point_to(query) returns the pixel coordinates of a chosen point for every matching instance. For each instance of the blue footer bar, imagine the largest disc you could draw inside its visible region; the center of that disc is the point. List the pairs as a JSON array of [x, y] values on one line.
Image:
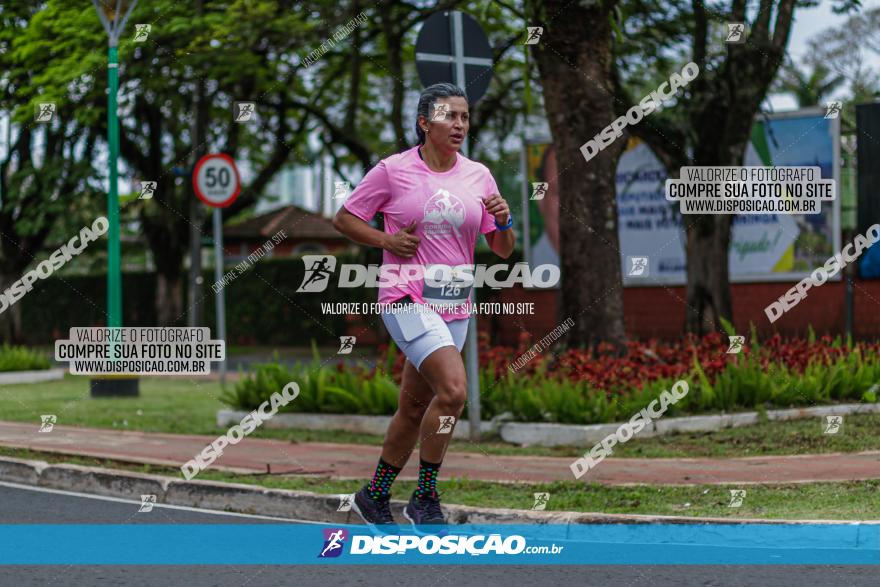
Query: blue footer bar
[[288, 544]]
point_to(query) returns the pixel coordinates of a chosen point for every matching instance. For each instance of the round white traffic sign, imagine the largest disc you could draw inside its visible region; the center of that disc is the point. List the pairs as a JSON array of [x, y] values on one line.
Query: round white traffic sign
[[216, 180]]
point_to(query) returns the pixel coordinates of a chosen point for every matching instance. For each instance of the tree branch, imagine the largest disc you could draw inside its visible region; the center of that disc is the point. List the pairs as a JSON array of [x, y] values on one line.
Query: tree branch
[[782, 27], [337, 135], [760, 30]]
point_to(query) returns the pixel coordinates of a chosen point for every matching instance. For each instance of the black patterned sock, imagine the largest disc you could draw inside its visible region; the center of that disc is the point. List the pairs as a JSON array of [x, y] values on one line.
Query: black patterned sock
[[427, 478], [384, 476]]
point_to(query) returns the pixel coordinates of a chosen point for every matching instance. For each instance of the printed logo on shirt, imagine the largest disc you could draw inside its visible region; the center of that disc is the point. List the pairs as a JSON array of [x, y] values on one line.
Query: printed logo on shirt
[[444, 215]]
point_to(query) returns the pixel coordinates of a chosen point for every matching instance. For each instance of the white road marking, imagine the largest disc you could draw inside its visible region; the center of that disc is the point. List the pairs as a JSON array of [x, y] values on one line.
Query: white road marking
[[155, 505]]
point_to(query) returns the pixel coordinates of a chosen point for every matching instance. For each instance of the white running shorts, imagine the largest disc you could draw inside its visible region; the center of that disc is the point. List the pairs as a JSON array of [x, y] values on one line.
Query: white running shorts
[[420, 332]]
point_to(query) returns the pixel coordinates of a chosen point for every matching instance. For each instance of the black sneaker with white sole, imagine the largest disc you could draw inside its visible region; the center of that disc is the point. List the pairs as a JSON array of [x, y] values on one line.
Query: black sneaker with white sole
[[425, 515], [376, 513]]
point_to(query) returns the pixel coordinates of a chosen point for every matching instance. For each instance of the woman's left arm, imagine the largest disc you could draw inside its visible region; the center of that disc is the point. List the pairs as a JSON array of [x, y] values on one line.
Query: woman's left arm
[[500, 241]]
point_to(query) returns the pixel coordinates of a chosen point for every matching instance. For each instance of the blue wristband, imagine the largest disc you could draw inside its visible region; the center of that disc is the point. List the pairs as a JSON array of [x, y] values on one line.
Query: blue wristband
[[505, 226]]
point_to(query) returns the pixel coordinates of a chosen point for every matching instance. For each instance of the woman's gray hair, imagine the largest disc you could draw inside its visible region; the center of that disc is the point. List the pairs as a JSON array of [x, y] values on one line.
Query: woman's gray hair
[[428, 97]]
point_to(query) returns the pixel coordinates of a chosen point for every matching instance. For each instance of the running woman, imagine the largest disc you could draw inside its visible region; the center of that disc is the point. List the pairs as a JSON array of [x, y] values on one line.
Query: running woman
[[435, 204]]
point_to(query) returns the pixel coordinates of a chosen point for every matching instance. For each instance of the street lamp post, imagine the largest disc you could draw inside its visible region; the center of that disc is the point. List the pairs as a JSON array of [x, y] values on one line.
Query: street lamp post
[[114, 26]]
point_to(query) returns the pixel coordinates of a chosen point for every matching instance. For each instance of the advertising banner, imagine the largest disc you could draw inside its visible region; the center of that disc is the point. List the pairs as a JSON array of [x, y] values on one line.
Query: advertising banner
[[764, 247]]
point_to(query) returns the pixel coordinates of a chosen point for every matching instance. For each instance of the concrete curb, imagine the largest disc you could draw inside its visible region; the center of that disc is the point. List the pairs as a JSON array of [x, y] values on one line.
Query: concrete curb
[[13, 377], [377, 425], [301, 505], [548, 434]]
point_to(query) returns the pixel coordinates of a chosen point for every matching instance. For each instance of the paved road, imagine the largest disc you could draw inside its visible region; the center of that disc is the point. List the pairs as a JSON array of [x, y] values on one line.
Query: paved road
[[34, 506], [358, 461]]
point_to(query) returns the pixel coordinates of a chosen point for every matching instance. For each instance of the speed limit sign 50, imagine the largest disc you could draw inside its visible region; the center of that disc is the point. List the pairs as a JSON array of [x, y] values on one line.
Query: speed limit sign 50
[[216, 180]]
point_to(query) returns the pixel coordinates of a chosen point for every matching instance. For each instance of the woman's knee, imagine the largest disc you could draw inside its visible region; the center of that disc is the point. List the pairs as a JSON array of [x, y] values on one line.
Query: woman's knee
[[412, 412], [452, 393], [444, 372]]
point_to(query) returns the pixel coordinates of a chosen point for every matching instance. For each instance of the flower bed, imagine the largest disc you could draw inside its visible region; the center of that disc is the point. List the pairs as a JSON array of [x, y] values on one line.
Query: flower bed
[[586, 387]]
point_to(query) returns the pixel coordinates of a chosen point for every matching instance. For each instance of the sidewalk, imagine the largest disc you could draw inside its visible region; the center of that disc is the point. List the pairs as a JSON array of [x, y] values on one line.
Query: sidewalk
[[253, 455]]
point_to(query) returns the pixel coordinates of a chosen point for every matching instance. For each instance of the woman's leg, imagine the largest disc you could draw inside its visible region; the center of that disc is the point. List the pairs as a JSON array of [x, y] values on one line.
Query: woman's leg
[[437, 389], [371, 502], [444, 371], [403, 432]]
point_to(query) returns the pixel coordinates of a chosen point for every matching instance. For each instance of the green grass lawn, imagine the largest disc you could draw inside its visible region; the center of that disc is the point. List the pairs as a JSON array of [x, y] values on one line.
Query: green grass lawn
[[187, 406], [829, 501], [165, 405]]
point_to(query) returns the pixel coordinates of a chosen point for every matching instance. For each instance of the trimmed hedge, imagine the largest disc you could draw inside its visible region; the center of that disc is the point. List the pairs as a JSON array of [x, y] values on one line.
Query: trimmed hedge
[[19, 358], [59, 303], [262, 306]]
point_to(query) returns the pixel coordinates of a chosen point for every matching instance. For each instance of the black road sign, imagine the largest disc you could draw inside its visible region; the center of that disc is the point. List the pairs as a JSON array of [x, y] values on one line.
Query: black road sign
[[452, 47]]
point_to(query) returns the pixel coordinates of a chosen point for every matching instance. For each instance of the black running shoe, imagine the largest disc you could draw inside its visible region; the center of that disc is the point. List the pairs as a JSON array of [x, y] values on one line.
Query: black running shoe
[[376, 513], [425, 515]]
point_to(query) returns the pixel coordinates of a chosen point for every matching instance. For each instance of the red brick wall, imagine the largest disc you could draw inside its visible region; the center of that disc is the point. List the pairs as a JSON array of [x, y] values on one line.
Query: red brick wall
[[658, 312], [536, 325]]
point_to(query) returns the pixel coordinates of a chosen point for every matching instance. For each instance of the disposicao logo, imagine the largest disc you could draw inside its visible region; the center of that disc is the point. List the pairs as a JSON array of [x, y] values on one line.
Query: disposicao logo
[[334, 540]]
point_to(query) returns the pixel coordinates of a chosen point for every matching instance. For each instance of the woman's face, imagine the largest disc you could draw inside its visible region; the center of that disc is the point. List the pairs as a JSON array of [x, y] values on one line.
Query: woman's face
[[448, 123]]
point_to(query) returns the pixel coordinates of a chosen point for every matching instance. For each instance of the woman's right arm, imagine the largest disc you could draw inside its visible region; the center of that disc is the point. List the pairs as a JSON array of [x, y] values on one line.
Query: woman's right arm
[[402, 243]]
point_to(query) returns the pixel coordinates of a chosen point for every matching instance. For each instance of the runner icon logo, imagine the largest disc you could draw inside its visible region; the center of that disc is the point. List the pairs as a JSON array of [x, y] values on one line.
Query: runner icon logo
[[318, 270], [141, 32], [832, 424], [539, 190], [832, 109], [444, 214], [535, 33], [735, 32], [736, 498], [244, 111], [334, 540], [638, 267], [346, 345], [48, 422], [441, 112], [736, 344], [148, 188], [45, 112], [147, 503], [345, 502], [446, 424], [541, 500], [340, 190]]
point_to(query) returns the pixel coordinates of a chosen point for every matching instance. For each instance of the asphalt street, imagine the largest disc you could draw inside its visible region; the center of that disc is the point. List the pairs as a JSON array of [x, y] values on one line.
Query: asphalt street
[[20, 505]]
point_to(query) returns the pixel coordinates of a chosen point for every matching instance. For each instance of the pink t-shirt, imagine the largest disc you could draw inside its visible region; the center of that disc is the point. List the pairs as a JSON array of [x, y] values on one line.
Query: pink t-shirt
[[449, 213]]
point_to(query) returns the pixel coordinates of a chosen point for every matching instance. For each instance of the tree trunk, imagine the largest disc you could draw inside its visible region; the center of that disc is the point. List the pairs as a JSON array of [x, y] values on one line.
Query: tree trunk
[[168, 250], [721, 141], [10, 319], [575, 62], [708, 275], [392, 29], [169, 298]]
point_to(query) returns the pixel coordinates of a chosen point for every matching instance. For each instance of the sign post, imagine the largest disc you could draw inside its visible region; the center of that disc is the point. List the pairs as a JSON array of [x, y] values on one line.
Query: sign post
[[217, 183], [452, 47]]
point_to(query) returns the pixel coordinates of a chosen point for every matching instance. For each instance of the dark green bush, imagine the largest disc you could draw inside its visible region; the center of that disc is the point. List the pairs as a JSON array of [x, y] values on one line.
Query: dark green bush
[[262, 306], [19, 358], [323, 389]]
